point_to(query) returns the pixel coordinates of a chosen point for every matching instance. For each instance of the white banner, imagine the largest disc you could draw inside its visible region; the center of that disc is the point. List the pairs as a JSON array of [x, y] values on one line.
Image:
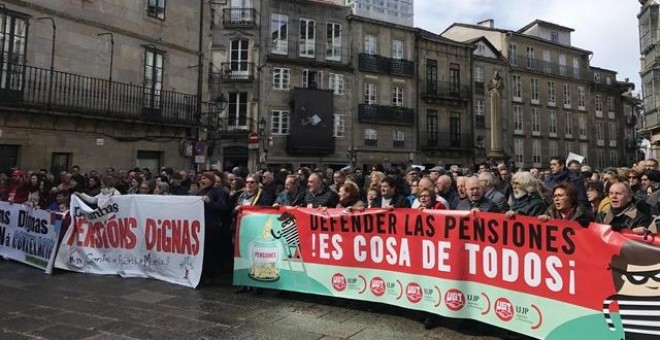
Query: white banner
[[160, 237], [29, 235]]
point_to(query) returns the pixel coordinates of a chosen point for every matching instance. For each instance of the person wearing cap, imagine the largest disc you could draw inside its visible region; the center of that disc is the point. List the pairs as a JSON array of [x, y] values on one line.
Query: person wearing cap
[[586, 172], [18, 187], [435, 172], [574, 165], [560, 174], [176, 185], [215, 206]]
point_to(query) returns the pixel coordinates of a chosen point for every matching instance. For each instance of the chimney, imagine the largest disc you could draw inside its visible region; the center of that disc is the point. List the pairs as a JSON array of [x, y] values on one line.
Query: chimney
[[489, 23]]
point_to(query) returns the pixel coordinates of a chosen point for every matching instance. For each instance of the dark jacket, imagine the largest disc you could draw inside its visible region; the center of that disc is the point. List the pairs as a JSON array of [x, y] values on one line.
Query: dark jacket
[[582, 215], [484, 205], [497, 198], [179, 190], [398, 201], [269, 192], [629, 217], [571, 177], [286, 198], [326, 198], [452, 197], [216, 208], [529, 205]]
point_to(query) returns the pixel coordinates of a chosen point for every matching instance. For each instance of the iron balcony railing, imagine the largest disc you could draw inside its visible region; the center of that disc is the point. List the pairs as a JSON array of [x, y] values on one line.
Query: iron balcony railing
[[387, 115], [402, 67], [547, 67], [436, 140], [39, 88], [236, 71], [445, 89], [239, 17], [373, 63]]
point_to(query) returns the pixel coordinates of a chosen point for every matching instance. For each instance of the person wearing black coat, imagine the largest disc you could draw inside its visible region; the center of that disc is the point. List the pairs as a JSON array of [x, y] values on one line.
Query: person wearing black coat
[[215, 206], [389, 197], [560, 174]]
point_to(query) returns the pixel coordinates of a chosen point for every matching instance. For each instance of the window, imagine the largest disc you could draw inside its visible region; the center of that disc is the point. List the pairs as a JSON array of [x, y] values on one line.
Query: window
[[614, 158], [608, 80], [59, 161], [553, 148], [567, 96], [547, 67], [370, 44], [333, 42], [534, 89], [370, 90], [480, 117], [339, 126], [432, 127], [562, 65], [370, 137], [582, 97], [612, 134], [397, 96], [479, 74], [156, 9], [311, 79], [600, 134], [554, 37], [536, 122], [281, 78], [597, 78], [153, 78], [536, 152], [552, 123], [279, 31], [336, 83], [238, 59], [398, 139], [519, 152], [551, 93], [397, 49], [13, 40], [307, 38], [530, 57], [237, 110], [454, 80], [517, 120], [600, 154], [455, 130], [568, 125], [568, 147], [584, 151], [517, 88], [279, 122], [599, 106], [513, 50], [582, 126], [610, 107], [576, 68], [431, 76]]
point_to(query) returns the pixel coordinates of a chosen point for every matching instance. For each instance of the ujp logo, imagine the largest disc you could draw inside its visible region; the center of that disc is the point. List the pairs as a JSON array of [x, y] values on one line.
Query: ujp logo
[[504, 309], [339, 282], [377, 286], [454, 299], [414, 292]]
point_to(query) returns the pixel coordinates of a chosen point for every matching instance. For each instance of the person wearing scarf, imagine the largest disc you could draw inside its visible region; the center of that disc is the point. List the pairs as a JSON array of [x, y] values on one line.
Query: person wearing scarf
[[349, 196], [565, 206], [253, 194], [526, 198], [623, 213]]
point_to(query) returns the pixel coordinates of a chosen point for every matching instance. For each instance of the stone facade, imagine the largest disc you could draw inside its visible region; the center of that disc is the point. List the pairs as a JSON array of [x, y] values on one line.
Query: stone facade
[[74, 114], [649, 28]]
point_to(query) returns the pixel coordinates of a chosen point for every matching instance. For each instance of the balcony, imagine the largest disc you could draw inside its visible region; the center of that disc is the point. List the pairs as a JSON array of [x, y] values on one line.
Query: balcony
[[236, 72], [239, 17], [442, 140], [552, 68], [40, 89], [386, 115], [373, 63], [402, 67], [445, 90], [235, 127]]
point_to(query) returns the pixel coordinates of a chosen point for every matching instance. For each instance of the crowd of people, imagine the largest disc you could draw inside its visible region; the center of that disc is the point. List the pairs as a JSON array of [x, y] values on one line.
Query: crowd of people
[[625, 198]]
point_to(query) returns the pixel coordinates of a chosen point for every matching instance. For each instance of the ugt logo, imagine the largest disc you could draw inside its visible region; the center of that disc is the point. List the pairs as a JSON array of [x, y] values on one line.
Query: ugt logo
[[414, 292], [454, 299], [377, 286], [339, 282], [504, 309]]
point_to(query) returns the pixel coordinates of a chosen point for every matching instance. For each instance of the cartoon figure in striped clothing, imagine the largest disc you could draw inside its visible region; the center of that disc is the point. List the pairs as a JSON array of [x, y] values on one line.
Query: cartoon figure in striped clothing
[[289, 232], [636, 276]]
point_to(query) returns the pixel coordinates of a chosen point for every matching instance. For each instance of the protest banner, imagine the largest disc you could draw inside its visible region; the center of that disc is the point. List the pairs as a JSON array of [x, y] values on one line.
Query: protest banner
[[160, 237], [29, 235], [548, 280]]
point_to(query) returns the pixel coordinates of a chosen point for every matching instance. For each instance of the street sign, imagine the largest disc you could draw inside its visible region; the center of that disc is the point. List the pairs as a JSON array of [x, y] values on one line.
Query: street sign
[[253, 138]]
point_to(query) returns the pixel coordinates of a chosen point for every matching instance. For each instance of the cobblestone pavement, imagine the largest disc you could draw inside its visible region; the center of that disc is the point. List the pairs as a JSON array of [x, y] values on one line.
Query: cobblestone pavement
[[76, 306]]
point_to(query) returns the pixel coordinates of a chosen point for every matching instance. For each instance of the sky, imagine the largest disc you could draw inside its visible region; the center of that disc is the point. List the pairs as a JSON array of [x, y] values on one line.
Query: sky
[[608, 28]]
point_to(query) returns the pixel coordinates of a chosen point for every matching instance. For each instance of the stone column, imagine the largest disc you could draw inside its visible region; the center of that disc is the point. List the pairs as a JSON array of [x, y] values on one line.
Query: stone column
[[495, 87]]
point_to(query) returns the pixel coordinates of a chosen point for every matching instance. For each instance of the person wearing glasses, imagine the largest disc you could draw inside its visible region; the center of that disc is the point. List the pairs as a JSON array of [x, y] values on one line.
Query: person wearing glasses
[[623, 213], [565, 206], [253, 194], [559, 173]]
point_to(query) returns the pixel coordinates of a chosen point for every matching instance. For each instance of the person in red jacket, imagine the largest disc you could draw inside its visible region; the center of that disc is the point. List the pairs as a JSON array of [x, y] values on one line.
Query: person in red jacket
[[18, 188]]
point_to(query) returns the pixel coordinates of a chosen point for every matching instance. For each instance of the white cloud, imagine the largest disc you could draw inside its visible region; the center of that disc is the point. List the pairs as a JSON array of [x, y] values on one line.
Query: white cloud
[[606, 27]]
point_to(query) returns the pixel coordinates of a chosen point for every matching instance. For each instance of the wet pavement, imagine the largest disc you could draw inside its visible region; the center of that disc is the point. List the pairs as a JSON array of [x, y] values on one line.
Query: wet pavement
[[69, 305]]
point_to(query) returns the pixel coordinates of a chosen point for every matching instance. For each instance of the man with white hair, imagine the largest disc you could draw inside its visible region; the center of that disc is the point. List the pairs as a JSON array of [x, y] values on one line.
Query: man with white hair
[[527, 198], [487, 181], [476, 201], [623, 213]]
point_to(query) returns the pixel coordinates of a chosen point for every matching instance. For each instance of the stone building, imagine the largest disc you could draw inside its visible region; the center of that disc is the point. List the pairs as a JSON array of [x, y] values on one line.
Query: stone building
[[558, 102], [649, 37], [99, 83], [445, 124]]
